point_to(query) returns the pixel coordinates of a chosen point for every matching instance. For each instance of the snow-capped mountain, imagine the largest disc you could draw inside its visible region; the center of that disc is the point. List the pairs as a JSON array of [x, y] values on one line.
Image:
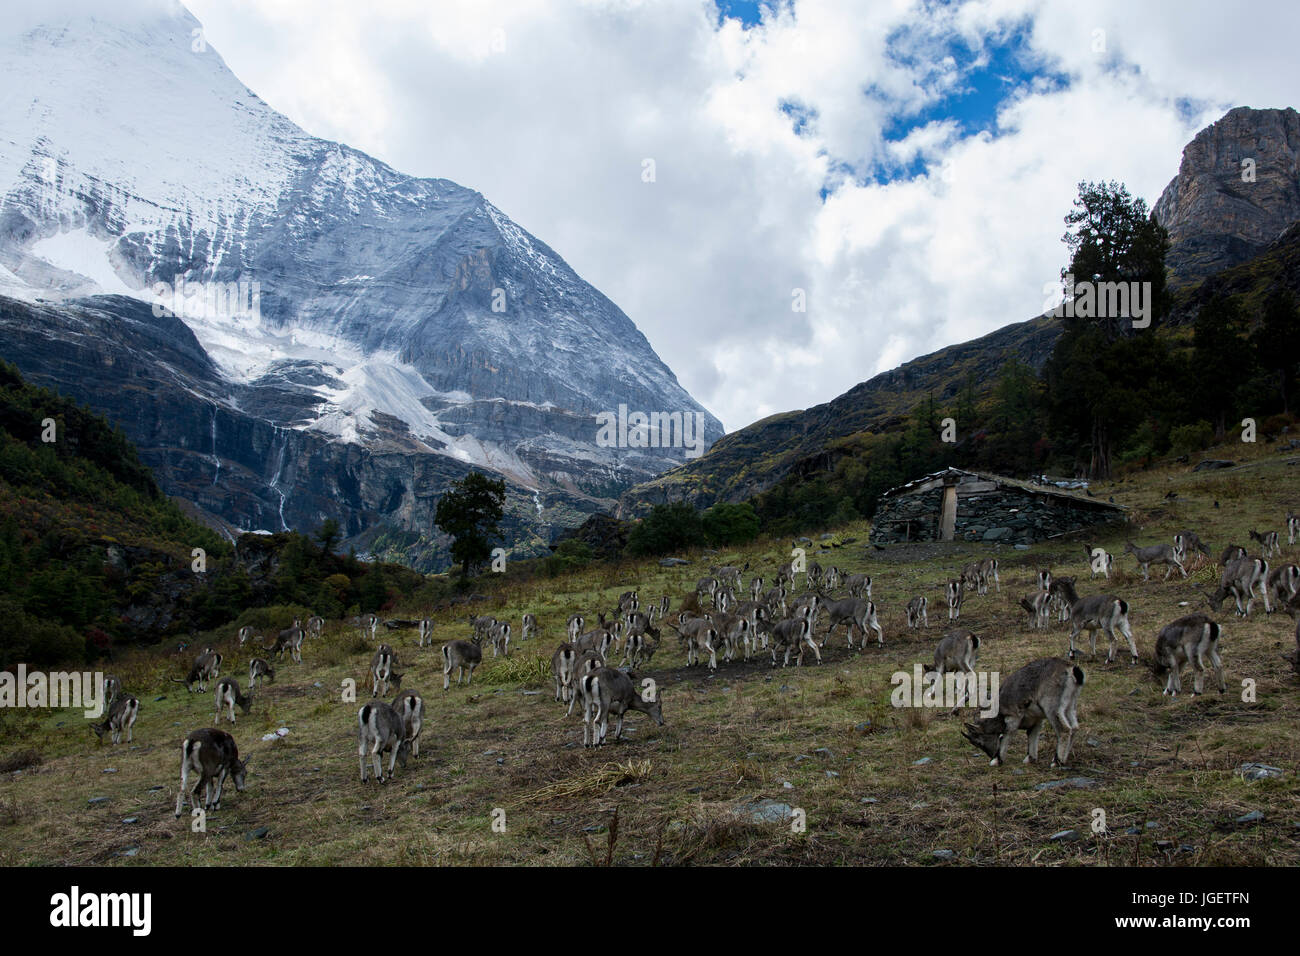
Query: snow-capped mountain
[[335, 302]]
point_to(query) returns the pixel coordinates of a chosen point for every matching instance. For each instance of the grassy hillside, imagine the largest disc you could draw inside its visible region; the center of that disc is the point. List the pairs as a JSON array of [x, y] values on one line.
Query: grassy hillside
[[878, 784]]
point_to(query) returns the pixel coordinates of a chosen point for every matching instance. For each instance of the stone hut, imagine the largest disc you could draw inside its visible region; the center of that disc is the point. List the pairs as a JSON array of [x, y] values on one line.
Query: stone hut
[[957, 505]]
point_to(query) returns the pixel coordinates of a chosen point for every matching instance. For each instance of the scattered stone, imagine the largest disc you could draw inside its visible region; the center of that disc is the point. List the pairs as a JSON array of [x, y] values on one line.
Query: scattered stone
[[823, 752], [800, 758], [1260, 771], [831, 774], [1021, 547], [1213, 464], [500, 761], [109, 770], [130, 851], [695, 790], [787, 784], [1083, 783], [944, 854], [1151, 824], [258, 834], [1064, 836], [163, 697], [97, 800], [154, 789], [868, 800], [1133, 831], [768, 811], [318, 684], [131, 820], [1186, 848], [862, 727], [922, 762], [1093, 742], [531, 693], [1253, 817], [672, 562]]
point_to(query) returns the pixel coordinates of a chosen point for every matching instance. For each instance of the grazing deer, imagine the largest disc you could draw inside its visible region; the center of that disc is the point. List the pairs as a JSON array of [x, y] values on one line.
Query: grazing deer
[[860, 616], [628, 601], [409, 706], [500, 634], [564, 663], [794, 634], [1045, 580], [609, 691], [380, 729], [807, 605], [575, 626], [1039, 605], [1268, 541], [785, 576], [859, 585], [755, 588], [316, 625], [289, 639], [1185, 542], [462, 655], [813, 576], [641, 647], [831, 580], [1283, 583], [1100, 612], [971, 579], [588, 663], [1100, 561], [258, 667], [989, 572], [775, 601], [383, 670], [425, 627], [210, 755], [958, 651], [699, 634], [527, 627], [918, 612], [1233, 552], [707, 586], [956, 590], [122, 712], [723, 599], [245, 634], [735, 631], [207, 666], [1155, 554], [228, 695], [1239, 580], [1190, 639], [112, 687], [1043, 689], [1060, 592], [1292, 527], [482, 625]]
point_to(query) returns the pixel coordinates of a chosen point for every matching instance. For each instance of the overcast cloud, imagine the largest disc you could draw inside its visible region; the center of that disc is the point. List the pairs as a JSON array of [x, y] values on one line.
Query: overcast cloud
[[831, 147]]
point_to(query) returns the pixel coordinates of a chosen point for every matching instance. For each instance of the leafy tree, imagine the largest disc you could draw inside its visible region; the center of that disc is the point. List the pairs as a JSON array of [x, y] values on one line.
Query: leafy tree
[[730, 523], [329, 535], [1277, 341], [1219, 343], [1095, 386], [670, 527], [470, 512]]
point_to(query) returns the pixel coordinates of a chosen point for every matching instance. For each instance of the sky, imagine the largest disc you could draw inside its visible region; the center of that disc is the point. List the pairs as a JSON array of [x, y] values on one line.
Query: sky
[[786, 197]]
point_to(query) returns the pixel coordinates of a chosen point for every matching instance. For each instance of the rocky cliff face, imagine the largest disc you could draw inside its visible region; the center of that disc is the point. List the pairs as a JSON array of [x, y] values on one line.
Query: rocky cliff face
[[1216, 216], [314, 333]]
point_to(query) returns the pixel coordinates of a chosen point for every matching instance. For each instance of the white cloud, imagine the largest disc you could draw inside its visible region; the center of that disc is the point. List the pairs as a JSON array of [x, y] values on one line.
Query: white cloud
[[549, 110]]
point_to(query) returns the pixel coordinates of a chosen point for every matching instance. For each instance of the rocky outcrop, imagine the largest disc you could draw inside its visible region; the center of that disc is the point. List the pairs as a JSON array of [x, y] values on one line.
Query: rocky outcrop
[[1216, 215]]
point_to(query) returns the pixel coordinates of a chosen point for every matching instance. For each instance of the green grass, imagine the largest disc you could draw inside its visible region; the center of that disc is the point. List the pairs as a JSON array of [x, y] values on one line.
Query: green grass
[[729, 740]]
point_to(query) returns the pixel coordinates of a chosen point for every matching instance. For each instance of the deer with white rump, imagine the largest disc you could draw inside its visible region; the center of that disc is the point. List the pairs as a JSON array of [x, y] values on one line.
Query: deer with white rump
[[1042, 690]]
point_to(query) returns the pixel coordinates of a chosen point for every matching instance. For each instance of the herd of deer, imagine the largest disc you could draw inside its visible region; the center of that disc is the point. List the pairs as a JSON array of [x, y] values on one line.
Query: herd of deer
[[779, 618]]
